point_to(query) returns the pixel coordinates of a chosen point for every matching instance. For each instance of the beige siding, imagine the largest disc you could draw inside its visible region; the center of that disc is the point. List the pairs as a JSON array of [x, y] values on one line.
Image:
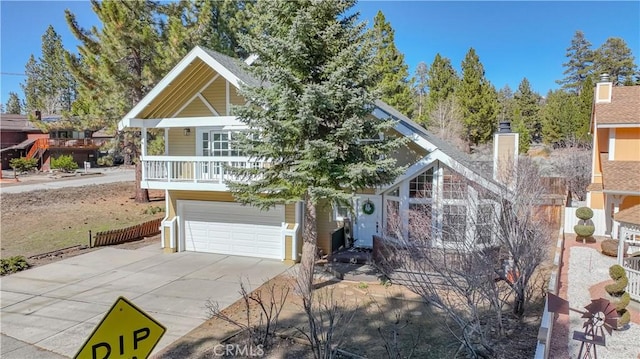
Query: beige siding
[[236, 99], [167, 242], [195, 108], [290, 213], [181, 145], [409, 154], [174, 196], [325, 225], [216, 94]]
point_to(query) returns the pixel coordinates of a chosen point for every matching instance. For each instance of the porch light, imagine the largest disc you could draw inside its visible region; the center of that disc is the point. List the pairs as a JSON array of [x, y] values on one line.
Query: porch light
[[187, 131]]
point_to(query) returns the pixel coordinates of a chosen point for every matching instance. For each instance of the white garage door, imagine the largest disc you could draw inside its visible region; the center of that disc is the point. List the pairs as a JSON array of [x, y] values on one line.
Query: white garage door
[[230, 228]]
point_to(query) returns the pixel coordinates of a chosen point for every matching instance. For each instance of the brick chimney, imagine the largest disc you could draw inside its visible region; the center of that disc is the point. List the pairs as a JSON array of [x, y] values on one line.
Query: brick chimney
[[603, 89], [505, 154]]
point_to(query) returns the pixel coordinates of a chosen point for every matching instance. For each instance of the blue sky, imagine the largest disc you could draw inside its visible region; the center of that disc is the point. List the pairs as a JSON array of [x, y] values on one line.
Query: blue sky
[[514, 39]]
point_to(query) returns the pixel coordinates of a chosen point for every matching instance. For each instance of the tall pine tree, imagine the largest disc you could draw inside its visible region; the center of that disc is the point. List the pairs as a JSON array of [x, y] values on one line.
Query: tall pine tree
[[14, 106], [579, 64], [614, 57], [478, 101], [388, 64], [442, 81], [308, 120], [117, 66], [49, 86], [527, 103]]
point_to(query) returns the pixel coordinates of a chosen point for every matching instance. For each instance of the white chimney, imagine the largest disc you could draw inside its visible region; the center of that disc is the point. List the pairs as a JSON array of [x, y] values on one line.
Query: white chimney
[[505, 154], [251, 59], [603, 89]]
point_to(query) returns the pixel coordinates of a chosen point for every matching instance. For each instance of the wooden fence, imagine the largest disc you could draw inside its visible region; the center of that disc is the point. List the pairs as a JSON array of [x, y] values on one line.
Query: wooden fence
[[128, 234]]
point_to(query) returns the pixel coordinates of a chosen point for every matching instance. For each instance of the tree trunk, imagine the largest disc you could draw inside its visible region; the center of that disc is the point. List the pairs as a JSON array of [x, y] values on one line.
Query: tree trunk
[[518, 302], [309, 249], [142, 194]]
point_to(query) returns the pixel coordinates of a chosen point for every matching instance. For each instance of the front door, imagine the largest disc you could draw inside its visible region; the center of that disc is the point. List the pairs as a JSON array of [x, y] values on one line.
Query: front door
[[368, 221]]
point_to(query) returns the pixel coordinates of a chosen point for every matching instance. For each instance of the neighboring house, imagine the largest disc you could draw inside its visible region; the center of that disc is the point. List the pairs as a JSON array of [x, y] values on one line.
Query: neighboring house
[[82, 145], [192, 104], [17, 135], [615, 175]]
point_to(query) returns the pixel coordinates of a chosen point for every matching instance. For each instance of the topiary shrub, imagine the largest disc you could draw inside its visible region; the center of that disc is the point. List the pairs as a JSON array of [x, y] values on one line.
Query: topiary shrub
[[584, 229], [64, 163], [584, 213], [620, 298]]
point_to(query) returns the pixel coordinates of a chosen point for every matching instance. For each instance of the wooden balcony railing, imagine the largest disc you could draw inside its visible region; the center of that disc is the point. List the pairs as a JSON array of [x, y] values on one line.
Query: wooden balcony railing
[[46, 143], [76, 142], [193, 168]]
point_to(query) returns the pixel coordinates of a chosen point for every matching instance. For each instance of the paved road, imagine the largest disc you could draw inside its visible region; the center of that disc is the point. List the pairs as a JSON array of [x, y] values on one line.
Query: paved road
[[120, 175]]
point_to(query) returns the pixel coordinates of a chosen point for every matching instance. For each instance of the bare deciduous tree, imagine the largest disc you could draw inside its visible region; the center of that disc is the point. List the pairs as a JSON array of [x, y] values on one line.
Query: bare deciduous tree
[[327, 319], [473, 262], [574, 164], [268, 312], [446, 122]]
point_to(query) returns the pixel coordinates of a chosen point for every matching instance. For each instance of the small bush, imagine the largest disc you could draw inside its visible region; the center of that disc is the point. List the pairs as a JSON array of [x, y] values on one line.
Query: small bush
[[13, 264], [65, 163], [584, 230], [106, 161], [153, 210], [23, 164], [584, 213]]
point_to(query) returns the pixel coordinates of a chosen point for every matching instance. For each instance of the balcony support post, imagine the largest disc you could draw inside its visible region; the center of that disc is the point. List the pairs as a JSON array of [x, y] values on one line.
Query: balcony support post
[[143, 151]]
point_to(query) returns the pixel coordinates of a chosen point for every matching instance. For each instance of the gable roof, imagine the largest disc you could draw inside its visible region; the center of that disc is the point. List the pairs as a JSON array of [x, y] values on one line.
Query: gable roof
[[234, 71], [17, 123], [624, 107]]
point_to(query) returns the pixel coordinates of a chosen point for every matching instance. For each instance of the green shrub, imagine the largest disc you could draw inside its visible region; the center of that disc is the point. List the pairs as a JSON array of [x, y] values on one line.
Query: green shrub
[[153, 210], [23, 164], [584, 230], [584, 213], [13, 264], [106, 161], [65, 163]]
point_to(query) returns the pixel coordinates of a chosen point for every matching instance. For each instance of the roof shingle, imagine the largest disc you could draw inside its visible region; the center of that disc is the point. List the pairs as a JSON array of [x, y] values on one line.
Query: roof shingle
[[623, 109]]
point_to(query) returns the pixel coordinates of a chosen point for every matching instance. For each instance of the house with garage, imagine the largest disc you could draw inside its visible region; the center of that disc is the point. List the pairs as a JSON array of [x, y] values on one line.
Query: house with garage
[[193, 104], [615, 127]]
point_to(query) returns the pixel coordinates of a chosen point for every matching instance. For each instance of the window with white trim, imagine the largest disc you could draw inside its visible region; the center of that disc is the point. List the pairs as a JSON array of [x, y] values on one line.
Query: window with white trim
[[421, 186], [454, 223]]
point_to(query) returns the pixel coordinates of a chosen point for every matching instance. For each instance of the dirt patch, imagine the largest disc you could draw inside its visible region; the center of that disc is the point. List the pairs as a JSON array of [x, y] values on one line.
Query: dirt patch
[[44, 221]]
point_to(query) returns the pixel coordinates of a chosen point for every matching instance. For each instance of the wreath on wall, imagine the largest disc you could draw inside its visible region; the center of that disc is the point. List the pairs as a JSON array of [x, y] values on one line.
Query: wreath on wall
[[368, 207]]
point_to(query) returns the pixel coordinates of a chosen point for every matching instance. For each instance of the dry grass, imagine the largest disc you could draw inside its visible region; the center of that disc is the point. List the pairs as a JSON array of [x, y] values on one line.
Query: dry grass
[[36, 222]]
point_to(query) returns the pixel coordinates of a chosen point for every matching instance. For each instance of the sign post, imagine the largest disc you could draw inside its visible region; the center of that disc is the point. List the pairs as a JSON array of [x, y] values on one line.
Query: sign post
[[124, 332]]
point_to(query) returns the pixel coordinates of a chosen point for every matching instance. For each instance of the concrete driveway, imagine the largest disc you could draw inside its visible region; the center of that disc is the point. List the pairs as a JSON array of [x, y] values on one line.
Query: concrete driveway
[[56, 307]]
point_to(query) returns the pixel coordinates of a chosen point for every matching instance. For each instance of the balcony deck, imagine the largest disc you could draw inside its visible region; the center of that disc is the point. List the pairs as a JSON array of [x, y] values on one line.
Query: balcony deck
[[192, 172]]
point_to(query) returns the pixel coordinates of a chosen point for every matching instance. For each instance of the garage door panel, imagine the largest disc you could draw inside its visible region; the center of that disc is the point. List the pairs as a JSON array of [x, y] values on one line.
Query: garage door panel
[[229, 228]]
